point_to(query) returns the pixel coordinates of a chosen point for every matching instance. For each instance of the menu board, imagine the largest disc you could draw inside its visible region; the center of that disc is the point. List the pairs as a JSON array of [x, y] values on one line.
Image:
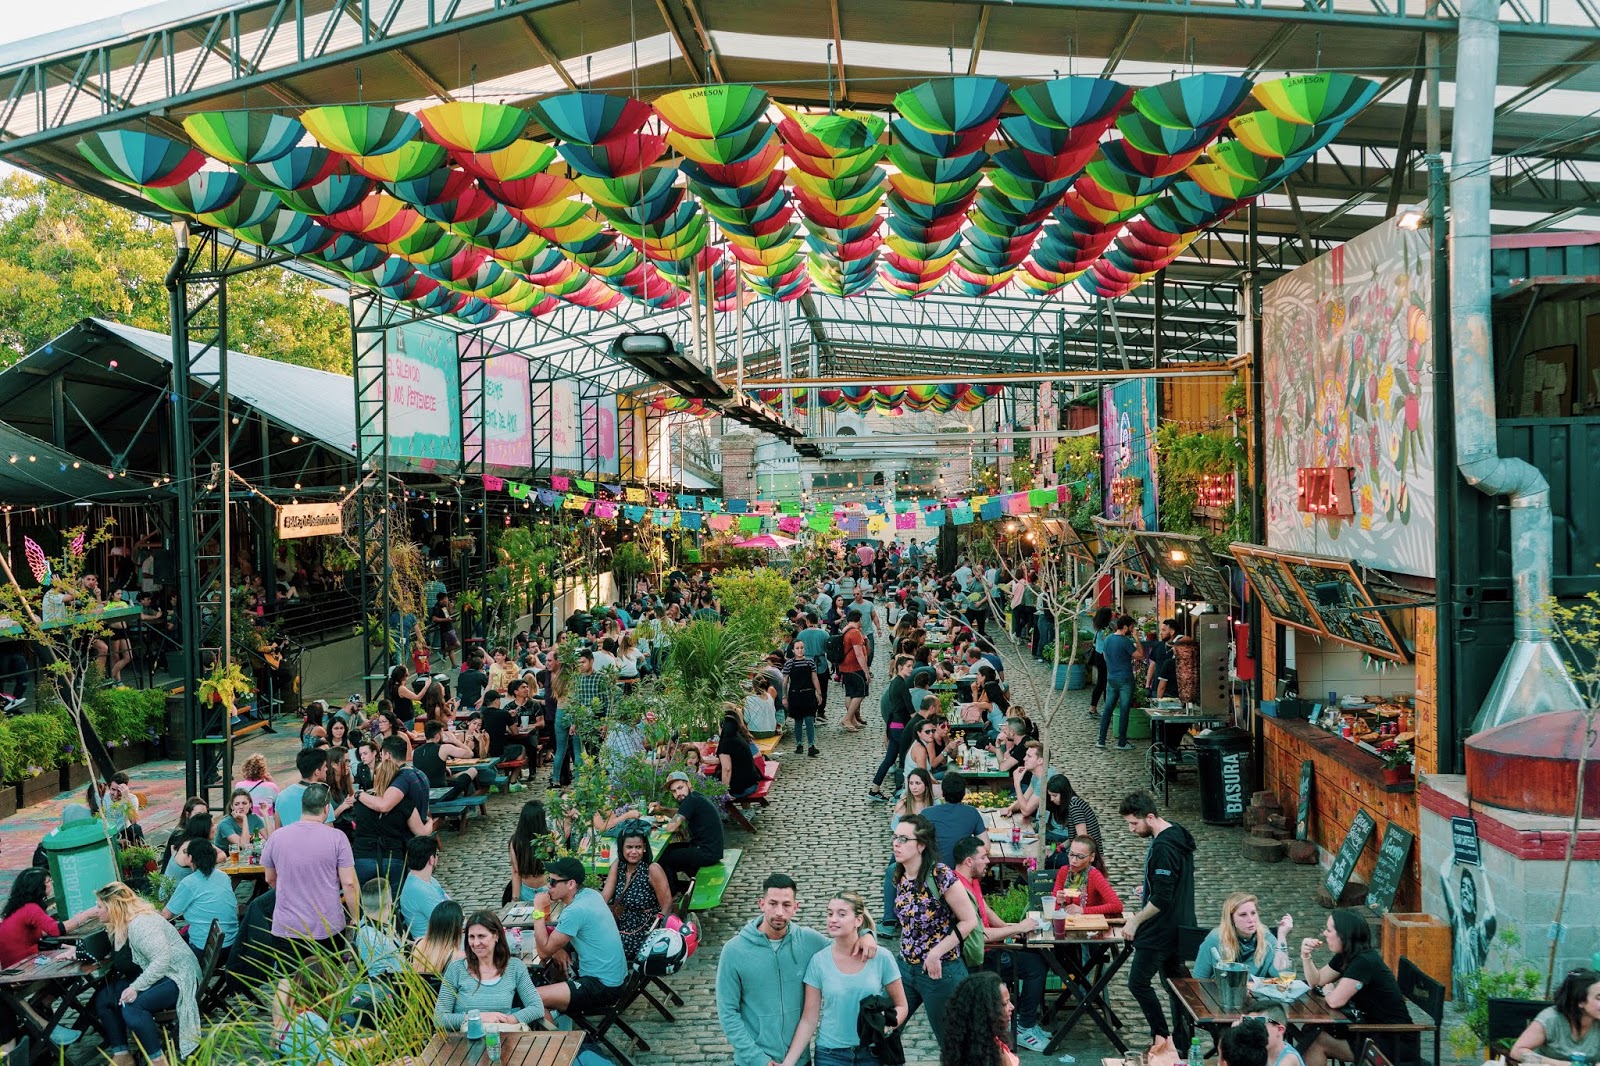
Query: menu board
[[1276, 589], [1390, 867], [1344, 863], [1369, 630], [1185, 561]]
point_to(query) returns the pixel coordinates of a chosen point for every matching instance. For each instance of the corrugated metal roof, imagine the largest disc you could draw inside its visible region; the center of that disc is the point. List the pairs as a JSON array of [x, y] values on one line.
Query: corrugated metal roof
[[33, 472], [314, 403]]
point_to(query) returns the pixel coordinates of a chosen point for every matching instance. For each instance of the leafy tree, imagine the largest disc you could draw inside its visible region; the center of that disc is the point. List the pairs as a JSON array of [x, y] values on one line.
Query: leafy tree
[[66, 256]]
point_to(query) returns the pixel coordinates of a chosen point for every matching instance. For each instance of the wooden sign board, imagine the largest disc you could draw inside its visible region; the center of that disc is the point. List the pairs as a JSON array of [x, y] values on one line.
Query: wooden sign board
[[1344, 863], [1302, 820], [1464, 840], [1324, 490], [1390, 868]]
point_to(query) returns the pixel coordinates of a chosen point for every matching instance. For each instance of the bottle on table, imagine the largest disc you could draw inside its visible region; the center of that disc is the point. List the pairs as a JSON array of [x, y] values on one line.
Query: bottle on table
[[491, 1044]]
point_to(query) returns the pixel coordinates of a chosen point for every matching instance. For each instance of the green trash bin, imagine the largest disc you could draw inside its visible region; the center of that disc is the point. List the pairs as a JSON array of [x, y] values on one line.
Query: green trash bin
[[82, 861]]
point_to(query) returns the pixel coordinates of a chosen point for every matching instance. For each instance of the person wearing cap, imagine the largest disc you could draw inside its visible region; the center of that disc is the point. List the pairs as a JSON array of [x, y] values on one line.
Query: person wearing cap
[[684, 859], [1279, 1051], [586, 926]]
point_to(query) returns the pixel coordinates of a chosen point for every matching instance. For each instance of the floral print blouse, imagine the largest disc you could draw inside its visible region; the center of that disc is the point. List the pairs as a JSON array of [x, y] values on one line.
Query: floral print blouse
[[924, 918]]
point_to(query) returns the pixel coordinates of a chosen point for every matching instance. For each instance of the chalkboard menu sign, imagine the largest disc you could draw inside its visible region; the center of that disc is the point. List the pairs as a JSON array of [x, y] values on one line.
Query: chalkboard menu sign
[[1344, 863], [1391, 866], [1464, 840], [1302, 819], [1276, 589], [1369, 630], [1184, 560]]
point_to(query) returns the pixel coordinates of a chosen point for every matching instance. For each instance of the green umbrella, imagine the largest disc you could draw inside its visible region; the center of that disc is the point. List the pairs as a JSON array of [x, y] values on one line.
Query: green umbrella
[[1264, 133], [839, 131], [1161, 140], [736, 147], [1069, 102], [356, 129], [952, 105], [468, 126], [252, 207], [591, 118], [208, 190], [712, 111], [1312, 99], [933, 168], [1242, 163], [136, 158], [241, 137], [1191, 102], [338, 192], [408, 162]]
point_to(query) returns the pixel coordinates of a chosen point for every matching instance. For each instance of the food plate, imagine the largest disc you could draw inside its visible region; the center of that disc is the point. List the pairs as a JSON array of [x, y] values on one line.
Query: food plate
[[1272, 990]]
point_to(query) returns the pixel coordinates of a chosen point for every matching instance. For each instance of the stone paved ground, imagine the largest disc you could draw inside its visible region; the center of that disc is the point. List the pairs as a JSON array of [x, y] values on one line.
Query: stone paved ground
[[822, 830]]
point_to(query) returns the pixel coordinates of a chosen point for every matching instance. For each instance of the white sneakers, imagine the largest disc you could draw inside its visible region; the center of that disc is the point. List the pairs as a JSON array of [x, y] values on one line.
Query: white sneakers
[[1034, 1038]]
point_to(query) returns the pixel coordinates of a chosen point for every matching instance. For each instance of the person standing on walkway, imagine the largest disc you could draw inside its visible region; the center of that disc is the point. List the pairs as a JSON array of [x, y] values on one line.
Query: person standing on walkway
[[897, 711], [1119, 653], [802, 678], [815, 638], [935, 914], [1168, 894], [1097, 661], [761, 975], [311, 866], [837, 981], [853, 671]]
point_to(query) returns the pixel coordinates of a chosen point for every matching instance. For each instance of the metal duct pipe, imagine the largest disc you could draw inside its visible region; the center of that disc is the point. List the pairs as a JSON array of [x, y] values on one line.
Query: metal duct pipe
[[1533, 677]]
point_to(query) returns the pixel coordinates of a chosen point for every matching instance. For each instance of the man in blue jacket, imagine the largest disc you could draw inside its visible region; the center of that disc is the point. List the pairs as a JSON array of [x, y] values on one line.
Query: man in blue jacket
[[760, 977]]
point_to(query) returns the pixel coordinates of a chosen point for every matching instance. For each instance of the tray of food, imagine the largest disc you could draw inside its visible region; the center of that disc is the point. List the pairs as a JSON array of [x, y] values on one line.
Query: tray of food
[[1284, 988]]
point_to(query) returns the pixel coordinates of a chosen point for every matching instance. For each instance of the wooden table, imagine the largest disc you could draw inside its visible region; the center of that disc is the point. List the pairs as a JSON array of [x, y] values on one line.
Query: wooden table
[[516, 1049], [1001, 850], [1202, 1001], [1086, 961], [65, 984]]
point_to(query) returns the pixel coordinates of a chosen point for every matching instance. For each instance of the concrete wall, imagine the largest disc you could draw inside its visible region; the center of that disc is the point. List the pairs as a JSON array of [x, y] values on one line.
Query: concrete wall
[[1328, 666], [331, 671]]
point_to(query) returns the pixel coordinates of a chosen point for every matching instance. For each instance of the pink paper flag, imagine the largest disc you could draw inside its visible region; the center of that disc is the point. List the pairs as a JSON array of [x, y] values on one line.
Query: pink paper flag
[[605, 510], [905, 521], [1017, 503], [493, 484], [789, 523], [719, 522], [560, 483]]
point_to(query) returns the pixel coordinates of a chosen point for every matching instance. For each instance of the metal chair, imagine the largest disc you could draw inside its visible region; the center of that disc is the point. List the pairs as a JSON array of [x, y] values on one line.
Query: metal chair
[[1427, 994], [1508, 1018]]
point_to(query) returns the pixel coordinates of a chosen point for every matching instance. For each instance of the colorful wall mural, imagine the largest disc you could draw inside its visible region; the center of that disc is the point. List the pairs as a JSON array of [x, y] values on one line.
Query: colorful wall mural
[[1347, 367], [1128, 451]]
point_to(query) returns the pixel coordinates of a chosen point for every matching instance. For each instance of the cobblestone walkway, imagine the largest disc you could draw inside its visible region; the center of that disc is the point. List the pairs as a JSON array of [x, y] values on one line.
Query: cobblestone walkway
[[822, 830]]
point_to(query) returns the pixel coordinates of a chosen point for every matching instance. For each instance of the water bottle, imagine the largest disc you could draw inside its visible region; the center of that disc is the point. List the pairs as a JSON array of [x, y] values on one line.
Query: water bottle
[[1196, 1056], [474, 1025], [491, 1044]]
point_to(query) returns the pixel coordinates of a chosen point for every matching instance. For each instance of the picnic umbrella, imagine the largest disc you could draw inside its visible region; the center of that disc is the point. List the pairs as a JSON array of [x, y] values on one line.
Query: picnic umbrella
[[591, 118], [952, 105], [615, 158], [204, 190], [1312, 99], [241, 137], [713, 111], [1239, 161], [357, 129], [136, 158], [1066, 103], [519, 159], [295, 169], [469, 126], [330, 196], [1266, 134], [1193, 101]]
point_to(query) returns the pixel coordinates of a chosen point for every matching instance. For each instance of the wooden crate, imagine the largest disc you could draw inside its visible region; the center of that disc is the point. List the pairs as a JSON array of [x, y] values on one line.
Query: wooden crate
[[1423, 939]]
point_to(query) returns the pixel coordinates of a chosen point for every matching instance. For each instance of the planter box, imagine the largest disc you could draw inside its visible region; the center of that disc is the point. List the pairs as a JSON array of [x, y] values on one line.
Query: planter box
[[8, 801], [130, 755], [74, 776], [38, 788]]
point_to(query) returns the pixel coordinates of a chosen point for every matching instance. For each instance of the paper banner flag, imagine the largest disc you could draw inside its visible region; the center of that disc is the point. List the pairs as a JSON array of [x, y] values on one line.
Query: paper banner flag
[[584, 486], [789, 524], [660, 497], [518, 490], [493, 484], [1017, 503], [750, 524], [635, 496], [686, 502], [789, 507], [875, 525], [764, 506], [615, 490], [712, 504], [906, 505], [605, 510], [977, 501], [575, 503], [720, 522], [990, 510], [560, 482], [853, 524], [905, 521], [1041, 497], [661, 516], [961, 516], [935, 517], [690, 519], [633, 514], [820, 522], [549, 498], [736, 506]]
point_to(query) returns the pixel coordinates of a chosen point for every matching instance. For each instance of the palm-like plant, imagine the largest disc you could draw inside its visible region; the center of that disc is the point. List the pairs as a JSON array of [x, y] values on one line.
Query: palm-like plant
[[711, 661]]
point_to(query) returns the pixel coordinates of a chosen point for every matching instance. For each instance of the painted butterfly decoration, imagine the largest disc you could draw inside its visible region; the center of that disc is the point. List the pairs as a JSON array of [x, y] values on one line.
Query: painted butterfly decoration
[[38, 561]]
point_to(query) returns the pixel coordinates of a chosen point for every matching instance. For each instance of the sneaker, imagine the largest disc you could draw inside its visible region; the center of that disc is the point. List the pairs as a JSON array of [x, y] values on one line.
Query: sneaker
[[1124, 747], [1100, 744], [12, 702], [876, 796], [1033, 1038], [813, 753], [800, 749]]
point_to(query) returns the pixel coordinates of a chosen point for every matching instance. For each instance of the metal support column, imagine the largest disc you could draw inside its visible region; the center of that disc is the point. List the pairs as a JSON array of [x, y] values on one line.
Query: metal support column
[[370, 315], [472, 358]]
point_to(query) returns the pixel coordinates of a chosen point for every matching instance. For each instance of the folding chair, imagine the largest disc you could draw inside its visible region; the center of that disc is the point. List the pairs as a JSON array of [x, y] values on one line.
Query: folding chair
[[1427, 994], [598, 1024]]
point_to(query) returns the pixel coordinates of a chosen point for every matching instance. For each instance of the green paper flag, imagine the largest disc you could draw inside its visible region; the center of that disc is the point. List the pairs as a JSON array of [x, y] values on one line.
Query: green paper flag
[[750, 523], [820, 521], [1041, 497], [584, 486], [789, 507]]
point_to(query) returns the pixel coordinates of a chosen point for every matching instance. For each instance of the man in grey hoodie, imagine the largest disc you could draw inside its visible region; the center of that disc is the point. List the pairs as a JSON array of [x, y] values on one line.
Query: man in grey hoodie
[[760, 977]]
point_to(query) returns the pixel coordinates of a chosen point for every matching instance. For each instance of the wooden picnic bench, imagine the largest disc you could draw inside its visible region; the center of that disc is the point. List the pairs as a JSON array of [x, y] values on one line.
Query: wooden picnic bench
[[737, 806]]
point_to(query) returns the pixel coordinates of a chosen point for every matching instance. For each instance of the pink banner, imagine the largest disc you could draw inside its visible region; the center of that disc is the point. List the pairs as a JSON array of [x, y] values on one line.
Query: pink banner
[[560, 482], [789, 524], [905, 521], [719, 522], [493, 484]]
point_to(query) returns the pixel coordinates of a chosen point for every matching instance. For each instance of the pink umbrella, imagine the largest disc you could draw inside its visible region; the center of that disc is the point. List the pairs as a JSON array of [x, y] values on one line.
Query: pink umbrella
[[767, 540]]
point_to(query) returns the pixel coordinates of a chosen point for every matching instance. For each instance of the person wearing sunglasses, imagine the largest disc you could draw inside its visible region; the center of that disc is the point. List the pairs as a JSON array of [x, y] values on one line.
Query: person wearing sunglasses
[[586, 925]]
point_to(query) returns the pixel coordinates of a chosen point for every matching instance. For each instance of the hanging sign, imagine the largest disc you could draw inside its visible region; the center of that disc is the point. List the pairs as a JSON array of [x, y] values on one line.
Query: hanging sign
[[297, 520], [1464, 841]]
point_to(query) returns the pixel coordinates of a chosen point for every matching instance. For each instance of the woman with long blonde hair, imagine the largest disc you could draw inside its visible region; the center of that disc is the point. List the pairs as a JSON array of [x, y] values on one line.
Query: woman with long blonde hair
[[1240, 938], [836, 981], [169, 977]]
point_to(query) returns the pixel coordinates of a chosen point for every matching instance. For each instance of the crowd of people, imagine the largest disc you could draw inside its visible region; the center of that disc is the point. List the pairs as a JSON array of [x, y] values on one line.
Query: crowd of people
[[352, 861]]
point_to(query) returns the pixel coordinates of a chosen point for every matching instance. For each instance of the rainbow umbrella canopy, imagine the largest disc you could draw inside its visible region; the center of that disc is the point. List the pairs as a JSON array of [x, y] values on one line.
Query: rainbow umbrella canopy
[[591, 118], [712, 112], [359, 130], [137, 158], [242, 137]]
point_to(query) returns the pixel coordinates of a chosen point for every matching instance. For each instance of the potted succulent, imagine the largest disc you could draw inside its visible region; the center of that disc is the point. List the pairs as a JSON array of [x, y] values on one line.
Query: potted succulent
[[1398, 760]]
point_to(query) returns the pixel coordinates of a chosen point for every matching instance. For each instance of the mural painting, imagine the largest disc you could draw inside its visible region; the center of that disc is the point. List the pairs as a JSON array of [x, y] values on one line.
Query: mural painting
[[1128, 451], [1347, 366]]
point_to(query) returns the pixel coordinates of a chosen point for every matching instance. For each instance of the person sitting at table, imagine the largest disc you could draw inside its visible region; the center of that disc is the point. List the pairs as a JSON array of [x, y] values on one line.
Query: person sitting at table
[[258, 782], [489, 980], [431, 757], [1082, 875], [377, 942], [442, 945], [25, 920], [636, 887], [1019, 967], [241, 825], [736, 766], [169, 977], [1357, 976], [1240, 938], [1031, 783], [389, 727], [685, 858], [1276, 1020], [531, 844], [923, 749], [119, 804], [1068, 815], [205, 897], [1008, 747], [917, 798], [978, 1023], [180, 866], [837, 980], [421, 892], [178, 835], [587, 925], [1569, 1026], [1246, 1044]]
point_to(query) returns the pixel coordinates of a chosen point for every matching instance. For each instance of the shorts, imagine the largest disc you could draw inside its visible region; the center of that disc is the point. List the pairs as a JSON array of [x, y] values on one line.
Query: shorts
[[588, 994], [855, 684]]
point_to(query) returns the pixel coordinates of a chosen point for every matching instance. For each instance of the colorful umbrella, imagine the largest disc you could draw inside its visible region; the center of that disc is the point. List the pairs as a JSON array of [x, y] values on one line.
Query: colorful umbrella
[[591, 118], [1066, 103], [411, 160], [290, 232], [136, 158], [943, 144], [250, 207], [1312, 99], [468, 126], [1236, 159], [952, 105], [830, 133], [356, 129], [736, 147], [711, 111], [241, 137], [1193, 101], [1147, 136], [1264, 133], [205, 190], [519, 159], [296, 169], [331, 195], [614, 158]]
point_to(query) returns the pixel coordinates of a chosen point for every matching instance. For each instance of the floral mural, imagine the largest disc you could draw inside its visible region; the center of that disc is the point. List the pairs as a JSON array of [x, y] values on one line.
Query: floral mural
[[1128, 438], [1347, 368]]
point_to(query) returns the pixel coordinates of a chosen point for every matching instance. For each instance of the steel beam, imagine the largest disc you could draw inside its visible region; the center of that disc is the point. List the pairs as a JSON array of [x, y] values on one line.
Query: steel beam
[[1192, 370]]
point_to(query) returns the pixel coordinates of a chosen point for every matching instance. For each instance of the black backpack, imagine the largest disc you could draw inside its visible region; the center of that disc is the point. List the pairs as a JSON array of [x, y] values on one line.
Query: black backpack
[[834, 649]]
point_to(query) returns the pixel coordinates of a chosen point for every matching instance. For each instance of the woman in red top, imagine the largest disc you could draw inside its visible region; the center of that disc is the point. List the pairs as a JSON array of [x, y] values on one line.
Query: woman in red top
[[24, 920], [1098, 897]]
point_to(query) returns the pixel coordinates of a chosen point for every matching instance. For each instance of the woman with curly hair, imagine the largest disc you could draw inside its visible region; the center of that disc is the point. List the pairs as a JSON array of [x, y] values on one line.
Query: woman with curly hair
[[977, 1020]]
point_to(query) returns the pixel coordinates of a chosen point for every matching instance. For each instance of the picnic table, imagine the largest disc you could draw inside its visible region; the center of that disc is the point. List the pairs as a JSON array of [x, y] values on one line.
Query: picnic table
[[1085, 958], [998, 829], [542, 1048], [54, 984], [1307, 1016], [985, 772]]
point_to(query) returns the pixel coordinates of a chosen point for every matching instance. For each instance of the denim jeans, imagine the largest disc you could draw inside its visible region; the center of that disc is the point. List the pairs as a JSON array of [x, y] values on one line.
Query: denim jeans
[[563, 743], [845, 1056], [888, 895], [808, 727], [1119, 699], [892, 735], [1147, 964], [1024, 971], [923, 990], [391, 868], [121, 1019]]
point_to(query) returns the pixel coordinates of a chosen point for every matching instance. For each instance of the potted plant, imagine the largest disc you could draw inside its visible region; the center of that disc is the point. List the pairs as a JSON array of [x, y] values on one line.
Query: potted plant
[[1398, 759], [224, 685], [136, 863], [40, 739], [1504, 975]]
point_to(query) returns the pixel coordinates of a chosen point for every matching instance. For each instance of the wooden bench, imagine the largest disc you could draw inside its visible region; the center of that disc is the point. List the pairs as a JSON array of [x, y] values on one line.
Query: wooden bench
[[736, 807], [259, 725], [453, 813], [712, 881]]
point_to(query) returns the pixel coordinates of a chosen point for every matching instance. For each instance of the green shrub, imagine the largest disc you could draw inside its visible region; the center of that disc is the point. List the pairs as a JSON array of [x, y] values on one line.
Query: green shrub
[[1011, 905], [41, 739], [1505, 975]]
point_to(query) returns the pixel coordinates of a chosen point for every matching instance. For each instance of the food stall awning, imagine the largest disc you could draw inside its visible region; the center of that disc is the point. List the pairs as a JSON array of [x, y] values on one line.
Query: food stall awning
[[1320, 595]]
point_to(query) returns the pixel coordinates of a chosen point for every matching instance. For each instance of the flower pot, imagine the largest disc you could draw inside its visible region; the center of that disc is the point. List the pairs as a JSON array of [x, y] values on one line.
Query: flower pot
[[1077, 677], [74, 776], [1063, 675], [38, 788], [1397, 775]]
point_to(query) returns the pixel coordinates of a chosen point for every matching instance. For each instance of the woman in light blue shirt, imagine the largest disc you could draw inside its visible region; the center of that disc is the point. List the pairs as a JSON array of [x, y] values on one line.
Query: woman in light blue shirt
[[836, 983], [206, 895]]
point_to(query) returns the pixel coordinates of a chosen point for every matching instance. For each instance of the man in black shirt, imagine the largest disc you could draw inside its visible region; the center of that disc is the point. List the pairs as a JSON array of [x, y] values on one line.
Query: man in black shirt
[[430, 758], [1168, 907], [472, 680], [500, 722], [1162, 677], [704, 847]]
